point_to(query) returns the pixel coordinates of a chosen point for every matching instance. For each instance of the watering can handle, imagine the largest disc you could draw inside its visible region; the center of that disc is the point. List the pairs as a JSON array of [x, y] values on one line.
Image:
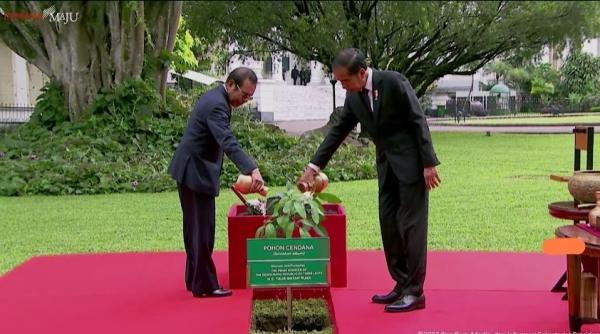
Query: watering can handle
[[240, 196]]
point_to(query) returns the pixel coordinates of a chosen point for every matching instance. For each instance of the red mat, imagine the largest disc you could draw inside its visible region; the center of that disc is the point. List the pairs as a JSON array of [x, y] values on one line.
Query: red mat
[[464, 271], [144, 293], [115, 293], [456, 312], [466, 292]]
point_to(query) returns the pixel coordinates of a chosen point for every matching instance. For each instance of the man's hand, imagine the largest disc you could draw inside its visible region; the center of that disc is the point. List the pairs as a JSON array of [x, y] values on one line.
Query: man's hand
[[257, 182], [432, 179], [307, 181]]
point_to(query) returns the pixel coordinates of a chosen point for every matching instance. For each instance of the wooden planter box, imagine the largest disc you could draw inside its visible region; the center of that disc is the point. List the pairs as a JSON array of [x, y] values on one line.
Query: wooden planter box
[[241, 227]]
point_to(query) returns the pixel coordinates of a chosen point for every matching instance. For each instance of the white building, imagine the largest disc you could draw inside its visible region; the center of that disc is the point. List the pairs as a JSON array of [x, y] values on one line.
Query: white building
[[20, 86], [458, 86], [278, 99]]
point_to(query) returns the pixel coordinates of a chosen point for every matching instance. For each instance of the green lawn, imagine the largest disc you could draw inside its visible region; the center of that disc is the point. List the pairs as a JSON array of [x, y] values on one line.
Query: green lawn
[[545, 120], [494, 196]]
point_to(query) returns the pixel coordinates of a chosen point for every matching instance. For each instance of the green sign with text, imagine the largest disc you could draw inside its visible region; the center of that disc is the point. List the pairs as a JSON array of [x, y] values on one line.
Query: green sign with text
[[288, 262]]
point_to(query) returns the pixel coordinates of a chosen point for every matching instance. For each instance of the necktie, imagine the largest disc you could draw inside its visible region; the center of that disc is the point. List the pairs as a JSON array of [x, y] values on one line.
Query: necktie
[[364, 93]]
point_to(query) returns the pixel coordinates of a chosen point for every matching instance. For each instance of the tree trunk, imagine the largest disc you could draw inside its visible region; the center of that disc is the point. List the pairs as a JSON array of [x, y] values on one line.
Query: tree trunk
[[101, 49], [138, 42], [175, 15], [469, 98]]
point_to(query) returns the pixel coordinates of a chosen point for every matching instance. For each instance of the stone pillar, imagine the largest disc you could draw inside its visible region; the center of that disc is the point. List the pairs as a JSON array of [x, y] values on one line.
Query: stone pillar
[[316, 73], [277, 67], [20, 80]]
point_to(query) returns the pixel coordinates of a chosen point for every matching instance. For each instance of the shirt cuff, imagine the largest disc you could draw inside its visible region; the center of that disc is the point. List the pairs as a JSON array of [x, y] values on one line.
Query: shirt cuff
[[314, 167]]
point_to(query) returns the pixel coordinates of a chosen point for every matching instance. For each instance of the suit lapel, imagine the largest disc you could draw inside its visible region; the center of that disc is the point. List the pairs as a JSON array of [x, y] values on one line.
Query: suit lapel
[[362, 103], [224, 93], [376, 97]]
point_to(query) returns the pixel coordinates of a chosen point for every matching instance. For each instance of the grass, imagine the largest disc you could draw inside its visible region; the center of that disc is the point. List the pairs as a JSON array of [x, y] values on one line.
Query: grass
[[543, 120], [309, 316], [494, 197]]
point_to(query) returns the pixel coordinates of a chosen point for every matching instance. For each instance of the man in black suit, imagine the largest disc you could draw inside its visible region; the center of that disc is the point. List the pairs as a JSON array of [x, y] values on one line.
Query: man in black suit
[[295, 74], [388, 110], [196, 166]]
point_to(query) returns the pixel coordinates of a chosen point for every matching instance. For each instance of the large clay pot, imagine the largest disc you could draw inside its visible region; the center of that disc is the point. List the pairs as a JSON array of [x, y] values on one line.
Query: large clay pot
[[582, 185]]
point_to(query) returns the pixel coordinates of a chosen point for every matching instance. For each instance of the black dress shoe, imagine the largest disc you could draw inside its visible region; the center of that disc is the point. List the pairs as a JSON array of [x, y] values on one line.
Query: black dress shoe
[[214, 293], [220, 293], [386, 299], [406, 304]]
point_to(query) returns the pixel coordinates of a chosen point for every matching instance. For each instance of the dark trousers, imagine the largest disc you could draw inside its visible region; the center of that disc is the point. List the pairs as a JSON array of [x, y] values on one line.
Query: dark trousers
[[403, 211], [199, 239]]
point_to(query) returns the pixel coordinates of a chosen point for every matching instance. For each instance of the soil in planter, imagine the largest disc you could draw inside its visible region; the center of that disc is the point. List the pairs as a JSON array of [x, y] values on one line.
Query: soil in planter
[[309, 316]]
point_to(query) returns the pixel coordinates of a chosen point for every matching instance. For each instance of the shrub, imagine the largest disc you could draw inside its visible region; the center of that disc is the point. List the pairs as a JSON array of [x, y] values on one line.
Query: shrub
[[309, 315], [50, 108], [117, 150]]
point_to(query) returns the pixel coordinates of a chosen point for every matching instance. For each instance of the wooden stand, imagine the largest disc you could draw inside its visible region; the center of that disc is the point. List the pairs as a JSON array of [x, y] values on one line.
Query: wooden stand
[[589, 296], [582, 288], [584, 141], [569, 211]]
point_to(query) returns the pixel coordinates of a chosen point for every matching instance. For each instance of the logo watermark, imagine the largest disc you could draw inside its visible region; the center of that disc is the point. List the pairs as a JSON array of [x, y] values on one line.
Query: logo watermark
[[50, 14], [60, 17]]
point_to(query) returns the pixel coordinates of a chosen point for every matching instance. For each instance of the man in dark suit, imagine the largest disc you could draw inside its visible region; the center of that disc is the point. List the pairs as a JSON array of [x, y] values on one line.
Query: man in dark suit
[[388, 110], [295, 74], [196, 166]]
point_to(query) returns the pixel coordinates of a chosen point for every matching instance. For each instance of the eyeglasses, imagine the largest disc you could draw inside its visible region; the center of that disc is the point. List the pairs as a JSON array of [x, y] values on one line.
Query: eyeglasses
[[245, 96]]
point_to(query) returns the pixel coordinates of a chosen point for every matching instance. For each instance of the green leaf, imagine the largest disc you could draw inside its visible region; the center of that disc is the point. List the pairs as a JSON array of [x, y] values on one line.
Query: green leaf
[[314, 205], [289, 230], [315, 212], [260, 232], [304, 233], [321, 231], [270, 231], [288, 207], [283, 220], [330, 198], [277, 207], [300, 209], [308, 223]]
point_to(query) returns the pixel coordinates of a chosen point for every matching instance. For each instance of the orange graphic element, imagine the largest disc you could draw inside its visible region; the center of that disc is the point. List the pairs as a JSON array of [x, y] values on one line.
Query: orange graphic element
[[564, 246]]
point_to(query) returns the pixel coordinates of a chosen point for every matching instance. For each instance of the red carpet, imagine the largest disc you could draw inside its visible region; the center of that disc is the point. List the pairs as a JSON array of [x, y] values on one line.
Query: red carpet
[[144, 293], [115, 293], [467, 292]]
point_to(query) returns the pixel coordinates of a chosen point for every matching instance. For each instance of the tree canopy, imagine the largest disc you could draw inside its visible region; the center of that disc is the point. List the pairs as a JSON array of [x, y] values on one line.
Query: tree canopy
[[106, 43], [424, 40]]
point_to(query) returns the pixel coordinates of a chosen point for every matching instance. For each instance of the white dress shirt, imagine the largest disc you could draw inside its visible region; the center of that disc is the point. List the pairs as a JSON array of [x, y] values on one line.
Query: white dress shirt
[[369, 85]]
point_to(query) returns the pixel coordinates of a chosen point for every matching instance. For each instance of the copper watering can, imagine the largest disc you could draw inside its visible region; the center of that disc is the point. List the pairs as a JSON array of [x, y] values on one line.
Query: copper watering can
[[321, 182]]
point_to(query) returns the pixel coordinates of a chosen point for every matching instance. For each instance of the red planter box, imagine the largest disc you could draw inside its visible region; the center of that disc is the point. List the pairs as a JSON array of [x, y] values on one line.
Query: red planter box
[[240, 228]]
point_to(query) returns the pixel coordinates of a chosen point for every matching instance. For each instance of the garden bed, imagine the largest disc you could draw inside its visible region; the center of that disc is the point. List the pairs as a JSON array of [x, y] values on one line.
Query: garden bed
[[309, 316]]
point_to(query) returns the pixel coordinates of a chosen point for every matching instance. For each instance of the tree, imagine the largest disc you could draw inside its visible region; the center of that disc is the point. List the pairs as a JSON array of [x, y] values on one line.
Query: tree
[[543, 89], [107, 43], [500, 68], [581, 74], [516, 77], [424, 40], [183, 54]]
